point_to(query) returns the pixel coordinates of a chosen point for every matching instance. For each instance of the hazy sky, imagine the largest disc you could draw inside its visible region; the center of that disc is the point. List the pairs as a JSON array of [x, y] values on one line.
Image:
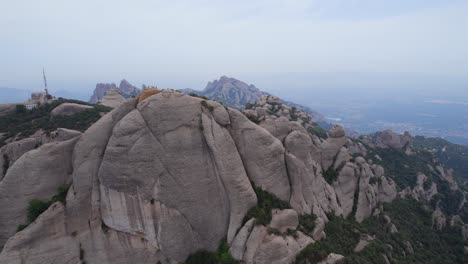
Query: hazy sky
[[155, 41]]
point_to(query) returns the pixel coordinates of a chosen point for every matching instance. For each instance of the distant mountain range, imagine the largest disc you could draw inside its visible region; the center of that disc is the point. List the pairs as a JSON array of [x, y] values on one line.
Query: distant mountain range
[[237, 94]]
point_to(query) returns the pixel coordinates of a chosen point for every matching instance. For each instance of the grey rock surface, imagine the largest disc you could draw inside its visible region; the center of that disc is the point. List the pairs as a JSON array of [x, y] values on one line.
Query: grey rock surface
[[69, 109]]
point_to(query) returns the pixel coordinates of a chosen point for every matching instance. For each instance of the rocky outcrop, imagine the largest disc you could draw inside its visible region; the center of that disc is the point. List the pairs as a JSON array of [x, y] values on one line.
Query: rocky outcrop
[[100, 91], [263, 247], [420, 192], [70, 109], [35, 175], [388, 139], [439, 220], [125, 89], [15, 149], [164, 176], [112, 98], [230, 91], [364, 241], [332, 258]]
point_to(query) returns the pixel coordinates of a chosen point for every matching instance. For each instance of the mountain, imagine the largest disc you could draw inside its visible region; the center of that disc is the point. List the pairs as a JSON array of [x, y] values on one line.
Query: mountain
[[230, 91], [125, 88], [171, 178], [238, 94]]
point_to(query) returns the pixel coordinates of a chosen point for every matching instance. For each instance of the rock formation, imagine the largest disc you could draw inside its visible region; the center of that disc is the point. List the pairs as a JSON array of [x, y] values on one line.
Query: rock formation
[[230, 91], [100, 91], [112, 98], [160, 178], [126, 89], [15, 149]]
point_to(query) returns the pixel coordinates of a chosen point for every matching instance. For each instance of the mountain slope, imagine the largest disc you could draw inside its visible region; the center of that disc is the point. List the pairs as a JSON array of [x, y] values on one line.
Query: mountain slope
[[171, 178], [450, 155]]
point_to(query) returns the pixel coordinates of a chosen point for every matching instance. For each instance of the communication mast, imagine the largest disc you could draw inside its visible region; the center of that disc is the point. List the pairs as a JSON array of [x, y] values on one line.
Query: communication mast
[[45, 83]]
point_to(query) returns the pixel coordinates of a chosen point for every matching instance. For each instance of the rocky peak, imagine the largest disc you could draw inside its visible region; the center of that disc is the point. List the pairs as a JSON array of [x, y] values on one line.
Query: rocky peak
[[100, 91], [112, 98], [128, 89], [125, 89], [389, 139], [230, 92]]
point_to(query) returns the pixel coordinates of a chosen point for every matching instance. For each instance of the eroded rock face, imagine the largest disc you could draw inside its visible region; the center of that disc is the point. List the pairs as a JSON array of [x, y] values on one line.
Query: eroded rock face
[[332, 258], [263, 247], [100, 91], [126, 89], [15, 149], [160, 178], [35, 175], [112, 98]]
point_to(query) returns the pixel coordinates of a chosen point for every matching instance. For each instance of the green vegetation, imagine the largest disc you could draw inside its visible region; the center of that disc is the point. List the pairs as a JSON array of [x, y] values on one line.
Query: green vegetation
[[330, 175], [204, 103], [24, 123], [266, 202], [448, 200], [6, 164], [342, 237], [275, 107], [318, 131], [448, 154], [307, 223], [414, 224], [250, 105], [36, 207], [20, 109], [293, 114], [199, 96], [221, 256], [403, 168]]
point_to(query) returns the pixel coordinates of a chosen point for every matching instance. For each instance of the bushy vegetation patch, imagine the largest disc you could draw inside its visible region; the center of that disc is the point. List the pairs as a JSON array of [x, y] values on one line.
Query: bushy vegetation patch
[[307, 223], [318, 131], [221, 256], [342, 237], [250, 105], [414, 224], [266, 202], [36, 207], [198, 96], [293, 114], [24, 123], [330, 175], [204, 103], [6, 164], [401, 167]]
